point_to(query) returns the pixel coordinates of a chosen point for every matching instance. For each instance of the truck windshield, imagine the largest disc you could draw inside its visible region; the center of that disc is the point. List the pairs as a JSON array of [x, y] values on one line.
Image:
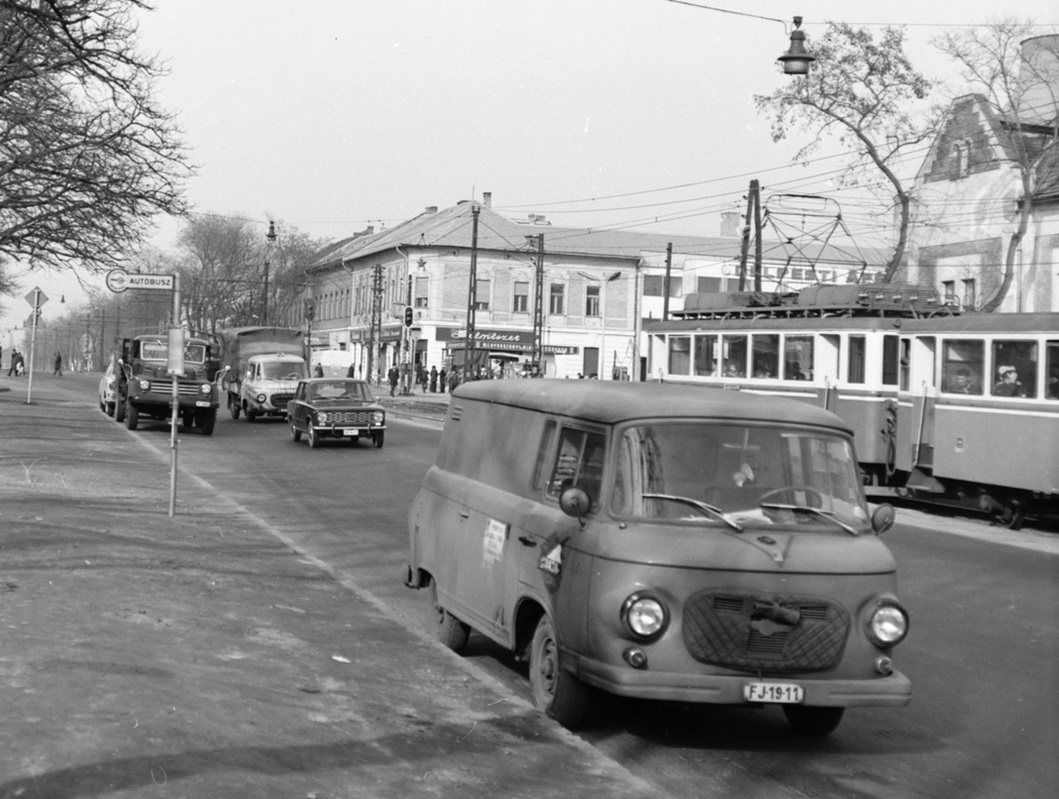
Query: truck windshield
[[770, 474], [283, 371], [159, 351]]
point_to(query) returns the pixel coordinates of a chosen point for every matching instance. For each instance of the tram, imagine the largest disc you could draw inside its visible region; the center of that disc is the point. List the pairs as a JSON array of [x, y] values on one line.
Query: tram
[[958, 408]]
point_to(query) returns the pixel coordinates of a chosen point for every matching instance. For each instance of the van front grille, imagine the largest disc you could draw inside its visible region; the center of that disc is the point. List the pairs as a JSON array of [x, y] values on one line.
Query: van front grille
[[764, 633]]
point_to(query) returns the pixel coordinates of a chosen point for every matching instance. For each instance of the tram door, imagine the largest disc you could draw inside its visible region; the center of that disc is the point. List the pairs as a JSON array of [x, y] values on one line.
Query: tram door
[[916, 397]]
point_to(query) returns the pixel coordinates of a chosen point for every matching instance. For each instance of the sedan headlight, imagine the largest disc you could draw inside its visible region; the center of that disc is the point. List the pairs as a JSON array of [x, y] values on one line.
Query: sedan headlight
[[378, 417], [644, 616], [887, 624], [321, 418]]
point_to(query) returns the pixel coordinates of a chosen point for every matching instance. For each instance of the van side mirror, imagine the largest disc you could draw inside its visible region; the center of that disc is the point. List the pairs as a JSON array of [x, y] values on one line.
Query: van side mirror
[[574, 501], [883, 518]]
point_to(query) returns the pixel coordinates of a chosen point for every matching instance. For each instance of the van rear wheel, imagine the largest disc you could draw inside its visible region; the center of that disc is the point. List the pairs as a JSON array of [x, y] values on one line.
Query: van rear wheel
[[556, 691], [452, 632]]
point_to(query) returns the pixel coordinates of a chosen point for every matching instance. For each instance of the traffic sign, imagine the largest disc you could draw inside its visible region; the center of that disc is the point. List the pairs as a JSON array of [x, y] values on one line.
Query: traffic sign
[[36, 297], [118, 280]]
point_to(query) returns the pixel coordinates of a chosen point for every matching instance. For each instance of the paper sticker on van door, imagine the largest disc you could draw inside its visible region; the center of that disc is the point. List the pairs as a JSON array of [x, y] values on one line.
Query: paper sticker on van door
[[493, 542], [552, 560]]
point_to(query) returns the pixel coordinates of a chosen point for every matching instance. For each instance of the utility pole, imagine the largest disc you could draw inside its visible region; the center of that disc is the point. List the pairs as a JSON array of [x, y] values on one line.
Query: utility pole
[[472, 297], [753, 210], [537, 356], [271, 236], [665, 287]]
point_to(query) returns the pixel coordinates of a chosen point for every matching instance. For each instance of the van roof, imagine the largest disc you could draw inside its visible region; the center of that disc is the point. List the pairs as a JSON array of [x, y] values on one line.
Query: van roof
[[610, 402]]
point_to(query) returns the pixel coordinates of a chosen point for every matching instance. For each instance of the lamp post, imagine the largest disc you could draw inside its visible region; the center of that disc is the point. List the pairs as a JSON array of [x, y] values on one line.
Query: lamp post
[[271, 236]]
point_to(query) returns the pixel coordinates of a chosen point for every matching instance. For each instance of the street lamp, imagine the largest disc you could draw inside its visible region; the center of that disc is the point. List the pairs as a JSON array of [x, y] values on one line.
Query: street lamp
[[603, 317], [796, 60]]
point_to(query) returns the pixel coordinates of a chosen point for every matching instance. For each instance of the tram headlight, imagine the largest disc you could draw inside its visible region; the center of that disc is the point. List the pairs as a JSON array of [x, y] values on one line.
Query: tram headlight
[[887, 624], [644, 616]]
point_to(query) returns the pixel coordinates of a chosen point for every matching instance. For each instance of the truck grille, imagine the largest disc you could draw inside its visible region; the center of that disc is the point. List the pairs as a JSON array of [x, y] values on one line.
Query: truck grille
[[183, 389], [767, 633], [279, 401]]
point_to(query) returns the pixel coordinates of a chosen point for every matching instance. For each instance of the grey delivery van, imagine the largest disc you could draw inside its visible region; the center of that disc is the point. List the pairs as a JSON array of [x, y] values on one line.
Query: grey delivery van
[[662, 542]]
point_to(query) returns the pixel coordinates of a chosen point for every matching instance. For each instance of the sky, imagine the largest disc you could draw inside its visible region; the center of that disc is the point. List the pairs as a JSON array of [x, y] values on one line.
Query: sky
[[328, 116]]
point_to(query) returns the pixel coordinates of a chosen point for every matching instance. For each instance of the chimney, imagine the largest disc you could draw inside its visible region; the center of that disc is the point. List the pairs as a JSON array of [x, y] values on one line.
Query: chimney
[[487, 199], [1039, 80], [730, 225]]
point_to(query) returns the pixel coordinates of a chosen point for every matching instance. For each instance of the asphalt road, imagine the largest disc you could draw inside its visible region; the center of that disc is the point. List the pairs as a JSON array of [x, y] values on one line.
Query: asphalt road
[[982, 652]]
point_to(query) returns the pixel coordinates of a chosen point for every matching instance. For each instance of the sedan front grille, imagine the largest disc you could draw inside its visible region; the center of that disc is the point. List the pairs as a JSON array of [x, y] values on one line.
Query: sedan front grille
[[766, 633], [357, 418]]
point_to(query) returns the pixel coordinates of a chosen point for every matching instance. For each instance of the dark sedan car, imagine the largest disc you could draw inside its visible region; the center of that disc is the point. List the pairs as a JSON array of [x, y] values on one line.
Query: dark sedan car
[[335, 407]]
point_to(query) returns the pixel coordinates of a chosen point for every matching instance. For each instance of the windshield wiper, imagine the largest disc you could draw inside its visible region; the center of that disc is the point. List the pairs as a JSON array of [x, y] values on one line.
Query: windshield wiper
[[815, 511], [709, 510]]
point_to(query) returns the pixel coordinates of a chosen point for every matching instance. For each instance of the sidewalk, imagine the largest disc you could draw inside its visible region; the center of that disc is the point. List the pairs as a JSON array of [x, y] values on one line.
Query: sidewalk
[[198, 656]]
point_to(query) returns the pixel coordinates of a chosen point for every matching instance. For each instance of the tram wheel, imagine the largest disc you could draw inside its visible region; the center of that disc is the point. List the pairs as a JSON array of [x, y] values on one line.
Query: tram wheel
[[1012, 515]]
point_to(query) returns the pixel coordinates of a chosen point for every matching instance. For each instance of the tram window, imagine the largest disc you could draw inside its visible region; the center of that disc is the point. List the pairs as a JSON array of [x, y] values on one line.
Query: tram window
[[705, 356], [1014, 368], [961, 366], [680, 355], [798, 358], [1052, 371], [857, 349], [734, 350], [890, 360], [765, 355]]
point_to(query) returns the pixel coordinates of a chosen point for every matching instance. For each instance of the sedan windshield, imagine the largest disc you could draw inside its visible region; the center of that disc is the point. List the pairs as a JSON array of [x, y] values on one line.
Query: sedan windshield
[[732, 474]]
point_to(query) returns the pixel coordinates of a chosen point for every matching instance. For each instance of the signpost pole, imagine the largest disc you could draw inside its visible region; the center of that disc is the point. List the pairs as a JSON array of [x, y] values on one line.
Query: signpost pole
[[175, 370]]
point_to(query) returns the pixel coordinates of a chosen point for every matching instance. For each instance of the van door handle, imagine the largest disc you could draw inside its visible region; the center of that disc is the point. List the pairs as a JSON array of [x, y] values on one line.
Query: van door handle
[[465, 514], [526, 540]]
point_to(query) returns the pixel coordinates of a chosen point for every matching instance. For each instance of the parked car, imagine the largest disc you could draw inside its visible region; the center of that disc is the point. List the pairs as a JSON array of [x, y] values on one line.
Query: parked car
[[660, 542], [108, 387], [335, 407]]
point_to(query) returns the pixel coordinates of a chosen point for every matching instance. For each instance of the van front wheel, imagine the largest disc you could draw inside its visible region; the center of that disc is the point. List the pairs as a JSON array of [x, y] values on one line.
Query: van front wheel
[[556, 691], [452, 632]]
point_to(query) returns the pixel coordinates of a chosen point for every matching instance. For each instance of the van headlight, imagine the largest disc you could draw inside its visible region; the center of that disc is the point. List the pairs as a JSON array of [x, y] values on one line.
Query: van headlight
[[644, 616], [887, 624]]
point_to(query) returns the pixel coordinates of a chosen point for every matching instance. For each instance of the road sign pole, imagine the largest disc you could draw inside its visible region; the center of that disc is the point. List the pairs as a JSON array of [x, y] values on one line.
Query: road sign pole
[[176, 405]]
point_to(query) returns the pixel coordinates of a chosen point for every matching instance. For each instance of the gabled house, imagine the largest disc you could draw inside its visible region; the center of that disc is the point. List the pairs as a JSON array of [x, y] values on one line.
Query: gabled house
[[969, 194]]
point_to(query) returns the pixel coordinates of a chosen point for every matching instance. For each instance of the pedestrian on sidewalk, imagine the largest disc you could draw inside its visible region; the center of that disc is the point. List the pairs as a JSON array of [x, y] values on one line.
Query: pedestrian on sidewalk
[[393, 375], [58, 364], [433, 380], [441, 379]]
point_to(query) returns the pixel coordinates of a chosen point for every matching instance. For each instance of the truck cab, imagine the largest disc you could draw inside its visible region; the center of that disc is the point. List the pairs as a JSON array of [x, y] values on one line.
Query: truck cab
[[145, 385]]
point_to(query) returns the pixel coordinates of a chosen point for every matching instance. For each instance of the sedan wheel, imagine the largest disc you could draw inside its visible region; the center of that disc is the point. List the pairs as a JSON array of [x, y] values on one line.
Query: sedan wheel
[[314, 437], [295, 433]]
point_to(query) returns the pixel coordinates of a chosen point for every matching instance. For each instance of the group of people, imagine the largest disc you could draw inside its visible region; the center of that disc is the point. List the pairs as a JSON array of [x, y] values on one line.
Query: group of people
[[433, 379], [17, 365], [1007, 385]]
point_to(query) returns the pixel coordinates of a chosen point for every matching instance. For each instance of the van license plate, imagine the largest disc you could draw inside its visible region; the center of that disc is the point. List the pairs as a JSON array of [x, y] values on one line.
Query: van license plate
[[776, 692]]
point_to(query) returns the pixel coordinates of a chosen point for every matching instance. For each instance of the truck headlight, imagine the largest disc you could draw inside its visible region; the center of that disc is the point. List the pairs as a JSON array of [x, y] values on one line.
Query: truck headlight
[[206, 388], [145, 385], [645, 616], [261, 398], [887, 624]]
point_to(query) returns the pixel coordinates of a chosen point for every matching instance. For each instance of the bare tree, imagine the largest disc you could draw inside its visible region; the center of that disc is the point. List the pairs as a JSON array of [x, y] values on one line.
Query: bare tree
[[221, 279], [1022, 94], [87, 157], [867, 94]]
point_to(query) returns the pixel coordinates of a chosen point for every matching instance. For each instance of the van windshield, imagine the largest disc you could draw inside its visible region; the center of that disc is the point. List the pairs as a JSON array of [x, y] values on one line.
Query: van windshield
[[749, 473]]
